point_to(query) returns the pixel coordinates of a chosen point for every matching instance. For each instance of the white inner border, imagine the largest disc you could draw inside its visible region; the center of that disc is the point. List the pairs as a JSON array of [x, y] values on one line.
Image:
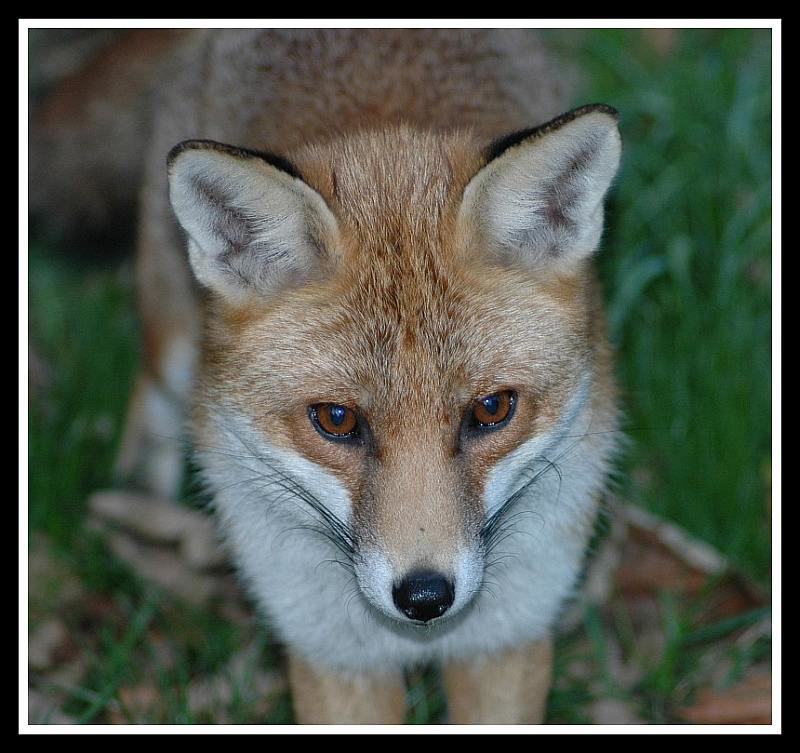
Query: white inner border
[[549, 23]]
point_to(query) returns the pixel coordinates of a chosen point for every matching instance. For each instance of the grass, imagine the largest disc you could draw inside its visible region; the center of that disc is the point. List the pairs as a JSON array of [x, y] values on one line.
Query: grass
[[686, 267], [686, 264], [83, 323]]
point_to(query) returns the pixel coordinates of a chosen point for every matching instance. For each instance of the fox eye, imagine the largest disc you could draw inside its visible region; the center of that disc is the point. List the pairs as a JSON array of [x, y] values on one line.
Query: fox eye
[[334, 421], [493, 411]]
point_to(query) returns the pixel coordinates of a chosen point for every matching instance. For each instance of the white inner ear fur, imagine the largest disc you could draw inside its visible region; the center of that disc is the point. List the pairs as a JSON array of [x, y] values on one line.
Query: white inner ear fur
[[541, 200], [251, 226]]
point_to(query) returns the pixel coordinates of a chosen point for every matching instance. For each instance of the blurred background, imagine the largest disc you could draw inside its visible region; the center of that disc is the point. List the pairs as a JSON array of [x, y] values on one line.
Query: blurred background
[[125, 626]]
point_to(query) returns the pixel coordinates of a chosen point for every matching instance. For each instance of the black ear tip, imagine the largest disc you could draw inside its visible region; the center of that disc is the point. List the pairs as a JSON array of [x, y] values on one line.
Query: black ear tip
[[501, 145], [178, 149], [203, 145], [597, 107], [278, 162]]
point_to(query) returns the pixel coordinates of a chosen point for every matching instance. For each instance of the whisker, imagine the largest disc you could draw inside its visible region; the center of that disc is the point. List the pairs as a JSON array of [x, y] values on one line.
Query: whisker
[[500, 525], [268, 477]]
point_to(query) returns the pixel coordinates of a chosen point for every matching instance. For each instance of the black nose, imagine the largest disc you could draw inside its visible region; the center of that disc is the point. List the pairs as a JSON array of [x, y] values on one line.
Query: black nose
[[423, 595]]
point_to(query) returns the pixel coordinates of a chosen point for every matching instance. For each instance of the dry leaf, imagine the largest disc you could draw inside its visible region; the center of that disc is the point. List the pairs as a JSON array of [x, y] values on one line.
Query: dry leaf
[[163, 522], [613, 711], [747, 702], [166, 569], [45, 643]]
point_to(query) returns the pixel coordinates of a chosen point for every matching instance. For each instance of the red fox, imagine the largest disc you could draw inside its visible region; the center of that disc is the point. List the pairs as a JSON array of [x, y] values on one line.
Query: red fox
[[378, 300]]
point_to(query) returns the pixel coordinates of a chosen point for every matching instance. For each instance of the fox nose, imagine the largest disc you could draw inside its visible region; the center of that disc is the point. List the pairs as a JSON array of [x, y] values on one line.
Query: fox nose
[[423, 595]]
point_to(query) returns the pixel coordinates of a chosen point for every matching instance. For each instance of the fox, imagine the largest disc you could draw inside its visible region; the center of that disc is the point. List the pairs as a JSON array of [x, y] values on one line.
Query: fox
[[365, 274]]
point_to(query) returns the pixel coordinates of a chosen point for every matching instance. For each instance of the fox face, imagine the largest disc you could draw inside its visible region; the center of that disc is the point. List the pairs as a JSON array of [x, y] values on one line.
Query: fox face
[[398, 324]]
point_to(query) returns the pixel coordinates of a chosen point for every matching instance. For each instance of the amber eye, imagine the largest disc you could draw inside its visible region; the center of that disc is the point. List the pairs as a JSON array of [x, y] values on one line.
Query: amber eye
[[334, 421], [493, 410]]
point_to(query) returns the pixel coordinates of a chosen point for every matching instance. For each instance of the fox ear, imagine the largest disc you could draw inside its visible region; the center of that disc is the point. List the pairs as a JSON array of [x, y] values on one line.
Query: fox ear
[[539, 199], [253, 223]]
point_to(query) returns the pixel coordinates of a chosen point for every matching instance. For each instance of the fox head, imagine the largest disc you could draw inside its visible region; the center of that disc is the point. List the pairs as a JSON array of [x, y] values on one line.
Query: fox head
[[397, 320]]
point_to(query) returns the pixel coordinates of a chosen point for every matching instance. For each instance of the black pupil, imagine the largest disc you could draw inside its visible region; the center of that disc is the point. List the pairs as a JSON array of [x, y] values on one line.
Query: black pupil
[[337, 414], [492, 404]]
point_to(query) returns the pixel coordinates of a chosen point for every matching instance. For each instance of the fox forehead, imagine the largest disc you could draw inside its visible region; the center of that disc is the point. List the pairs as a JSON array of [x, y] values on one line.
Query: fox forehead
[[392, 188], [433, 339]]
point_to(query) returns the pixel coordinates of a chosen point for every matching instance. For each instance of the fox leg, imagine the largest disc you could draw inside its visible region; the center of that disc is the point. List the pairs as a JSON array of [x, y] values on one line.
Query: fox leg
[[151, 452], [508, 688], [323, 697]]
